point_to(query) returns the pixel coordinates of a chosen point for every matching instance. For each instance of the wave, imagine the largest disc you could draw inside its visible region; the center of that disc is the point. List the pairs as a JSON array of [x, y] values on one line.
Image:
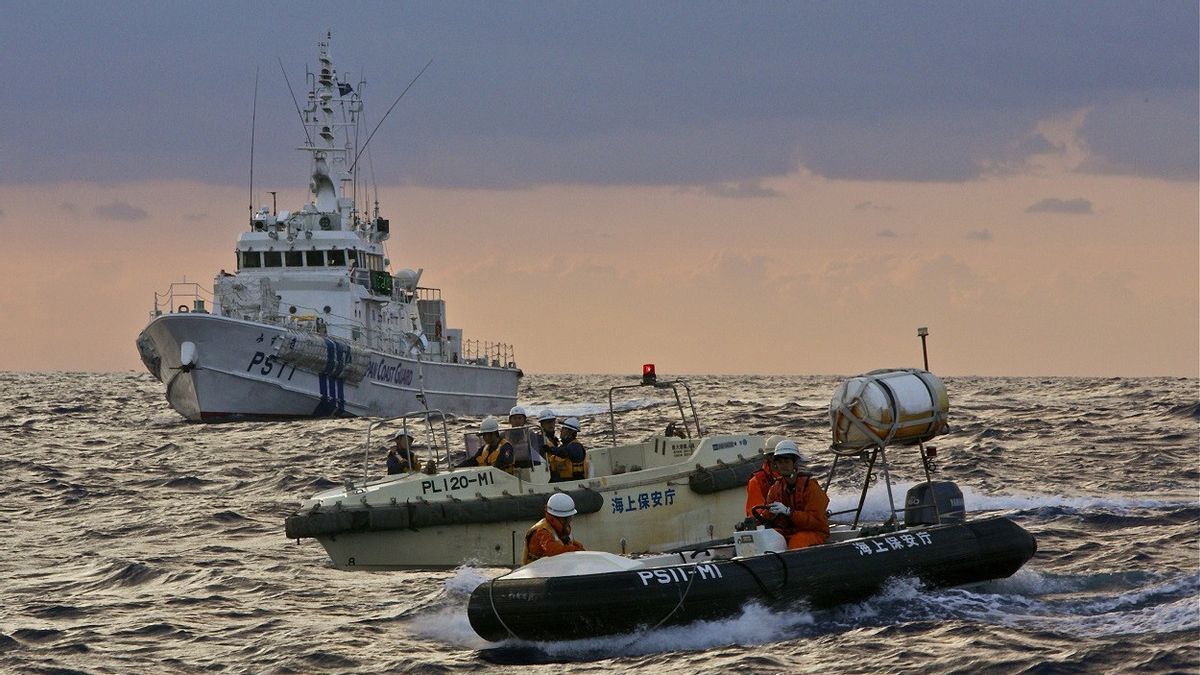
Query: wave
[[584, 410], [754, 625], [1165, 607], [876, 506], [1188, 411], [186, 483], [36, 634]]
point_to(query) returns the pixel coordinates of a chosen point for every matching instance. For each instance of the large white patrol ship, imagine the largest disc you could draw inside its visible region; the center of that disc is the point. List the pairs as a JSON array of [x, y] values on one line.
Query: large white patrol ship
[[312, 323]]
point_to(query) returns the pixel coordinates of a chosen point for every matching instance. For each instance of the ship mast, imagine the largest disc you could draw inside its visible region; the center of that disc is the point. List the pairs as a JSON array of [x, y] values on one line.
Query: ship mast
[[332, 108]]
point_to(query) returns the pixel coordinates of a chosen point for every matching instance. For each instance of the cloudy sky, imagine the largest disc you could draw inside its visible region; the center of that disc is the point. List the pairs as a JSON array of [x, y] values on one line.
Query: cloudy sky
[[719, 187]]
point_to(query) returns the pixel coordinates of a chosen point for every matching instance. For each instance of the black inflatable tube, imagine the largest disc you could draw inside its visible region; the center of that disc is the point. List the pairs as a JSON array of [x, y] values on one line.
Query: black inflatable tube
[[573, 607], [723, 477], [416, 515]]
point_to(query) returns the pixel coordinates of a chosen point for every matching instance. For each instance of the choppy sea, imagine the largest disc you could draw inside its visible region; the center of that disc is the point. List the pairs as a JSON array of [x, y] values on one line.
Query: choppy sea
[[136, 542]]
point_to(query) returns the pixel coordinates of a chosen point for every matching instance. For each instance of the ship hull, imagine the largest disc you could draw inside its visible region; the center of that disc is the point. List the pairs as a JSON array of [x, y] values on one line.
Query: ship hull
[[234, 374]]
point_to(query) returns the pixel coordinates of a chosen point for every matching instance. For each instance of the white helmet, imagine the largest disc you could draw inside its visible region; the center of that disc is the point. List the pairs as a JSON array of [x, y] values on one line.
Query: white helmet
[[561, 505], [516, 410], [546, 414], [786, 448], [770, 443], [489, 423], [571, 423], [398, 434]]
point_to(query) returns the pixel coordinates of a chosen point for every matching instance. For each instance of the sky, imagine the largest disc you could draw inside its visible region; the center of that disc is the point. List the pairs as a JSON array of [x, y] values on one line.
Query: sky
[[766, 188]]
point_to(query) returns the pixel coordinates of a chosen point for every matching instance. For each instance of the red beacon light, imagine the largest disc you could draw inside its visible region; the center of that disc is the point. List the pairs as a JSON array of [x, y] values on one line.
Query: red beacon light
[[648, 374]]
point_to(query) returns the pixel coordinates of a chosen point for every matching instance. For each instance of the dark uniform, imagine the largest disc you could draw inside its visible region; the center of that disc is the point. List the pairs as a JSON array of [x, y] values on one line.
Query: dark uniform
[[568, 462], [499, 456]]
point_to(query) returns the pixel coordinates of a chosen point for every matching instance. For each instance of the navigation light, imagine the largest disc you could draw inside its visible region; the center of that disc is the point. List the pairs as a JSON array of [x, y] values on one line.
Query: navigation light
[[648, 375]]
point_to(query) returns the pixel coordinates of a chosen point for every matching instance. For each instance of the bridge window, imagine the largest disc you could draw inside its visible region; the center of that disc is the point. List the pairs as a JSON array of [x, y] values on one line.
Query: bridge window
[[314, 258], [337, 258], [294, 258], [351, 257], [272, 259], [251, 259]]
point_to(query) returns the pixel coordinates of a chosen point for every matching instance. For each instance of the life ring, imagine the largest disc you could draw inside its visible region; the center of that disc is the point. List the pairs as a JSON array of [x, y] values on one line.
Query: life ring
[[182, 309]]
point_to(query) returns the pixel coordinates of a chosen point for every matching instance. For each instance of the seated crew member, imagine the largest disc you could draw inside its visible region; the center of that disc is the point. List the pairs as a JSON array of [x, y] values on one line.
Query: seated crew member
[[552, 535], [546, 420], [796, 501], [400, 458], [569, 460], [675, 431], [518, 435], [517, 417], [760, 482], [496, 451]]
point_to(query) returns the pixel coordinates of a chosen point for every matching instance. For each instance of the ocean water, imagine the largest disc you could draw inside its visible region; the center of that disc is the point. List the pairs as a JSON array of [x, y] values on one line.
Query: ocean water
[[135, 542]]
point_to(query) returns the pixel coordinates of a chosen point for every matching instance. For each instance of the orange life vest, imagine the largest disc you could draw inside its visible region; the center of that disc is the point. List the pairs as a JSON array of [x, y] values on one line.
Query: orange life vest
[[543, 524]]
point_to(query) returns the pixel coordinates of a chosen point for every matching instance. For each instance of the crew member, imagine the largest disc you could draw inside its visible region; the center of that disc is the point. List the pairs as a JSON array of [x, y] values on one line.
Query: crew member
[[495, 451], [517, 417], [552, 535], [760, 482], [400, 458], [569, 460], [796, 501], [547, 420]]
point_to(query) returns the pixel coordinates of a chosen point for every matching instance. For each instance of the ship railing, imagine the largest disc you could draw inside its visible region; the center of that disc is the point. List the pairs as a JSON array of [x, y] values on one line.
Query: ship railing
[[484, 353], [181, 297], [474, 352]]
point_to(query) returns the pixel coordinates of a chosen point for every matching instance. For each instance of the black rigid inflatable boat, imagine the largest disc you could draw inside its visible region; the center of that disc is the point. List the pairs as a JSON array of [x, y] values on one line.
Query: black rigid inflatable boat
[[564, 606], [588, 594]]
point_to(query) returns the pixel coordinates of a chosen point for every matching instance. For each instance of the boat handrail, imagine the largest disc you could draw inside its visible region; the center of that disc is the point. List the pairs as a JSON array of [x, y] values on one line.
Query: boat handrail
[[674, 386], [431, 434]]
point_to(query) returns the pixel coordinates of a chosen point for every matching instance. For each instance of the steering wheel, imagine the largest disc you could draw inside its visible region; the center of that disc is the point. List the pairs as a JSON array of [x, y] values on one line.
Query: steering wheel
[[762, 513]]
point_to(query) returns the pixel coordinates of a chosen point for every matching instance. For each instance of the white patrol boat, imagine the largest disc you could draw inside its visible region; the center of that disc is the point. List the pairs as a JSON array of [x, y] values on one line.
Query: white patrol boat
[[663, 493], [312, 323]]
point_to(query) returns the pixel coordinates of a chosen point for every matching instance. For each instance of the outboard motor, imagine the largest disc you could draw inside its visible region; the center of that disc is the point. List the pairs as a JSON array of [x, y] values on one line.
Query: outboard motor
[[920, 500]]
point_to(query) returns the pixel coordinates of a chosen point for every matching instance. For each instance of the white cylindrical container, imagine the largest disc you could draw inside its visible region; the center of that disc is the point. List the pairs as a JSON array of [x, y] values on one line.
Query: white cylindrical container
[[888, 407]]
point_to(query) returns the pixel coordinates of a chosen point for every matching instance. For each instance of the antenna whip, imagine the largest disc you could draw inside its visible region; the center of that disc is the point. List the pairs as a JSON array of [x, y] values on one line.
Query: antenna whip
[[253, 119], [385, 115], [297, 103]]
